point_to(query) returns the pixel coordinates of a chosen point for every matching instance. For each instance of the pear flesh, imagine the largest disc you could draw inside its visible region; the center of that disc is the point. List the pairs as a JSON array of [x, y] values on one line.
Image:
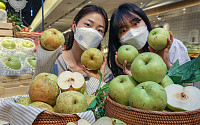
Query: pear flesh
[[79, 122], [108, 121], [71, 81], [181, 98]]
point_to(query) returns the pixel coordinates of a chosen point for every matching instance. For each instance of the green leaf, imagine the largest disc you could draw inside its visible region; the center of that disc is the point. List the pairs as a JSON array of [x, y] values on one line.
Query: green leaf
[[105, 87], [180, 70], [194, 78], [104, 95], [176, 64], [98, 97], [175, 79], [195, 65], [93, 104], [100, 74], [186, 73]]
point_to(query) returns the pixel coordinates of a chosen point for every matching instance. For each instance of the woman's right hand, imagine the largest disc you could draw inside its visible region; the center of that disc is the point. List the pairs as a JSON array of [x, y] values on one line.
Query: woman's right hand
[[126, 69], [164, 54], [94, 73]]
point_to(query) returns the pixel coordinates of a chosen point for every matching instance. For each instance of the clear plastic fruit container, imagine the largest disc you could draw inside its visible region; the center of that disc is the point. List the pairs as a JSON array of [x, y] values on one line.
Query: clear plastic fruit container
[[7, 47], [28, 68], [7, 71], [29, 43]]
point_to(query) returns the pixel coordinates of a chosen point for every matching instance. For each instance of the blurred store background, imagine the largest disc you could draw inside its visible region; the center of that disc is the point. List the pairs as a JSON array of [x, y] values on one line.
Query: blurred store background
[[182, 17]]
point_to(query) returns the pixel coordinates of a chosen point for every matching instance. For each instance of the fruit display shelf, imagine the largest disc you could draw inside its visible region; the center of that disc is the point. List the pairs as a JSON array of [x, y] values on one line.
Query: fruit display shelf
[[17, 56], [131, 115], [6, 29]]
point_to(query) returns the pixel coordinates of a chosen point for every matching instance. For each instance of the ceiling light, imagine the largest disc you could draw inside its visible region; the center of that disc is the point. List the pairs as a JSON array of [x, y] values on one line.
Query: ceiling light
[[141, 3], [78, 8], [184, 9], [89, 1], [159, 18]]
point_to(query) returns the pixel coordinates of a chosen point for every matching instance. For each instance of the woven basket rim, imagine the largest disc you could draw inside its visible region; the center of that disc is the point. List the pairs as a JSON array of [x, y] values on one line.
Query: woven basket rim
[[150, 111], [59, 114]]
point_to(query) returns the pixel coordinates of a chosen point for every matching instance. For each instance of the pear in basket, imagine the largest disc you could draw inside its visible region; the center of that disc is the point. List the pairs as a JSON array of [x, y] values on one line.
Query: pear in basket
[[89, 98], [42, 105], [148, 96], [71, 102], [68, 80], [44, 88], [51, 39], [24, 101]]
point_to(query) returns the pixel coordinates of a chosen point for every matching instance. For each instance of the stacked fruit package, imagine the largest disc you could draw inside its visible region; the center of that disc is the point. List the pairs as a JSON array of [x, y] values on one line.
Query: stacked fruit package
[[16, 56]]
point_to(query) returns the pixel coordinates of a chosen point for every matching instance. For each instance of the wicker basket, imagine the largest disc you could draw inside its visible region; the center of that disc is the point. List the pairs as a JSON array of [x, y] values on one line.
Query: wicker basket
[[51, 118], [138, 116], [32, 35]]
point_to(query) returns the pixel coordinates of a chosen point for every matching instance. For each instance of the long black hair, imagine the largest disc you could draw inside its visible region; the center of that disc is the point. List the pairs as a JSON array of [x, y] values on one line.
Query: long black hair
[[84, 11], [117, 20]]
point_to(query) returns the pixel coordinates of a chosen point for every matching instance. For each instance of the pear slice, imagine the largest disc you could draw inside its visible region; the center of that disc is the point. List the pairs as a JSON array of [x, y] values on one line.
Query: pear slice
[[71, 81], [80, 122], [71, 123], [104, 121], [181, 98], [83, 122]]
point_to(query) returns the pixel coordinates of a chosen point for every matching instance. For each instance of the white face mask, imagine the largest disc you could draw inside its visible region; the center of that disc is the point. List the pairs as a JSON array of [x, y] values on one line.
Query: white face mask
[[135, 37], [87, 38]]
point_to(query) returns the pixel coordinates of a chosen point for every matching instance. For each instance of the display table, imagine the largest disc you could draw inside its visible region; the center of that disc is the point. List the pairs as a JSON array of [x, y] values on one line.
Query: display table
[[14, 85]]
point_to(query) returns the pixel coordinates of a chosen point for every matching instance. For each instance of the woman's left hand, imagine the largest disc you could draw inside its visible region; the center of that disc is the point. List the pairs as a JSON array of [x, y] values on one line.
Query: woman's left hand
[[94, 73], [164, 54]]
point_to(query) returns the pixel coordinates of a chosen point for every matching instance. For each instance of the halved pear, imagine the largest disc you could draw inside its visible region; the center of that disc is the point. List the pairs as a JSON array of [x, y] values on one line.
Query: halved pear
[[83, 122], [79, 122], [71, 81], [104, 121], [71, 123], [181, 98]]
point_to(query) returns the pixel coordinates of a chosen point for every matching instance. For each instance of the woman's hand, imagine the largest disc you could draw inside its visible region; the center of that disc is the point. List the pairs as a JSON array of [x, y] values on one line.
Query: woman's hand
[[164, 54], [94, 73], [126, 69]]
